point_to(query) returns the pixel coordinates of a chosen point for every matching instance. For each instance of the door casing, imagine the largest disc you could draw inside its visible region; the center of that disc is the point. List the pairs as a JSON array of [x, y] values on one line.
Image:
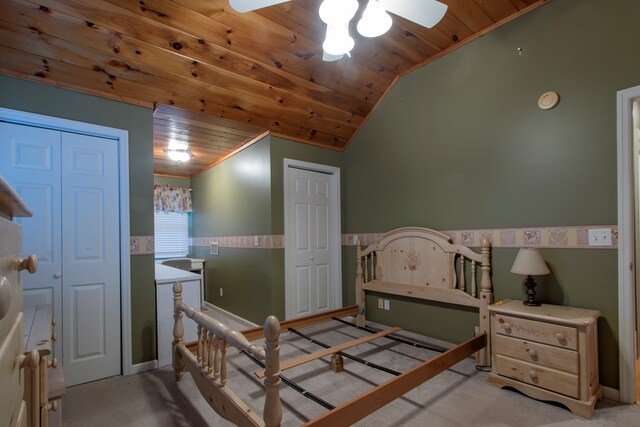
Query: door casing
[[122, 137], [626, 245], [335, 243]]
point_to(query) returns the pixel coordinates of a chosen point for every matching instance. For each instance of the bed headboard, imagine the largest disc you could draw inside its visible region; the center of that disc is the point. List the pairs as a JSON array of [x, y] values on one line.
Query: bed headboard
[[423, 263]]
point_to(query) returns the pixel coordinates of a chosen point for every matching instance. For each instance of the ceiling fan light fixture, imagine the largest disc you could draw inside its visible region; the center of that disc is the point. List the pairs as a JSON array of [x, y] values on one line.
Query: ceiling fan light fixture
[[338, 41], [337, 12], [375, 20]]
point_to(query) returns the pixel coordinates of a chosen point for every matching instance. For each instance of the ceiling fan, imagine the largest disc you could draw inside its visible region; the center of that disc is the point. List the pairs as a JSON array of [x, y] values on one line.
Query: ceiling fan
[[375, 20]]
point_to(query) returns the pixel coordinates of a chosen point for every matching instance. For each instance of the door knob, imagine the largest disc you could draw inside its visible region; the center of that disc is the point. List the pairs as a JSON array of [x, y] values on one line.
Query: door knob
[[57, 275], [30, 264]]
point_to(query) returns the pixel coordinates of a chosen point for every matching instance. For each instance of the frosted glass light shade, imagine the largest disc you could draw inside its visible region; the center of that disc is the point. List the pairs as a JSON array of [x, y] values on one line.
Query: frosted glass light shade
[[528, 262], [327, 57], [178, 154], [338, 40], [336, 12], [375, 20]]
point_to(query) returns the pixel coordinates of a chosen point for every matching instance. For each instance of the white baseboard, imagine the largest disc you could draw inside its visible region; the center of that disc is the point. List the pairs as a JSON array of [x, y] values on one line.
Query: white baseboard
[[610, 393], [235, 317], [143, 367]]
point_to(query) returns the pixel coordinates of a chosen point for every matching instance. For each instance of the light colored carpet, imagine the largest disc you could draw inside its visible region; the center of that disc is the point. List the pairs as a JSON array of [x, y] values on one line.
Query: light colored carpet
[[457, 397]]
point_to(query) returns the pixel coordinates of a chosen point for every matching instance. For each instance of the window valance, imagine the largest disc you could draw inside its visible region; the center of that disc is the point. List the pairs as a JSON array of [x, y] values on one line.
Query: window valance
[[171, 199]]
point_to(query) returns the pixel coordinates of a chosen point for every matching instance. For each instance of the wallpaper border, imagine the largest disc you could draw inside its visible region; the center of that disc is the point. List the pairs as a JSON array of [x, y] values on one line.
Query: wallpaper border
[[556, 237]]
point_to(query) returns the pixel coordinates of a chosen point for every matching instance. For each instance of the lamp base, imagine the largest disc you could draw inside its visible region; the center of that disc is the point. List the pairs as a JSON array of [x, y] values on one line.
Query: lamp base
[[531, 292]]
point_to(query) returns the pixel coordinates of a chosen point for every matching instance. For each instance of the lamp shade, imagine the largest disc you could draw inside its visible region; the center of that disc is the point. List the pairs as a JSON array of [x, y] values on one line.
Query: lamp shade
[[529, 262]]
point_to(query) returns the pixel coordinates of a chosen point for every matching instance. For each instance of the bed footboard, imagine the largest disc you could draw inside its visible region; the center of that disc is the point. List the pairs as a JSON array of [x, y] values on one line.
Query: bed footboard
[[209, 365]]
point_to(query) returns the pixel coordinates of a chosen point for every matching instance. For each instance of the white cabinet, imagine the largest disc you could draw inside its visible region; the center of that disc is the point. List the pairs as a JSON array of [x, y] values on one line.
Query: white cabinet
[[191, 292]]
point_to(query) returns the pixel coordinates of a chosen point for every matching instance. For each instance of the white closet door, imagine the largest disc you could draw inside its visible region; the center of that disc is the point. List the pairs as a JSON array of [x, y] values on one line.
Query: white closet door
[[311, 290], [30, 162], [91, 258], [70, 182]]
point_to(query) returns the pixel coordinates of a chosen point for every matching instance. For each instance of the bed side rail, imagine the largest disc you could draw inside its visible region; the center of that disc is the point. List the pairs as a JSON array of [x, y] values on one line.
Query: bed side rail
[[213, 339]]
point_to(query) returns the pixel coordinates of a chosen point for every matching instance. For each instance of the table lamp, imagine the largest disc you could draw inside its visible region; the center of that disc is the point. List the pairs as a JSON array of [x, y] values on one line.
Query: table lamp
[[529, 263]]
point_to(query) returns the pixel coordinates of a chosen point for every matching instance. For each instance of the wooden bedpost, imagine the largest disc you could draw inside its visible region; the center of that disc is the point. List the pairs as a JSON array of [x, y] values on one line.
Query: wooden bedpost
[[360, 296], [486, 299], [272, 405], [178, 330]]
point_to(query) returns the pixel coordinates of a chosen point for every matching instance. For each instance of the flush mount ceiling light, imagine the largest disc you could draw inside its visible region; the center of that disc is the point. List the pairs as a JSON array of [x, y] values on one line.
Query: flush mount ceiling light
[[178, 154], [375, 20]]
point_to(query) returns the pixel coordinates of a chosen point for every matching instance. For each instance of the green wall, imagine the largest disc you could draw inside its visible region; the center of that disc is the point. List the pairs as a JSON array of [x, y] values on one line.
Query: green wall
[[461, 143], [51, 101], [244, 196], [233, 198]]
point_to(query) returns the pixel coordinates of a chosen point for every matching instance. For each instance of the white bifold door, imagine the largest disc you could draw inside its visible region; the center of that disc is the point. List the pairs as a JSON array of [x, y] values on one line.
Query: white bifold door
[[70, 182]]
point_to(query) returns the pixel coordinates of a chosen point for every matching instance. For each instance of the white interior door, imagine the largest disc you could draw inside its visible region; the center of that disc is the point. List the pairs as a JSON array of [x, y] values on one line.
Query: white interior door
[[70, 181], [30, 162], [91, 258], [312, 260]]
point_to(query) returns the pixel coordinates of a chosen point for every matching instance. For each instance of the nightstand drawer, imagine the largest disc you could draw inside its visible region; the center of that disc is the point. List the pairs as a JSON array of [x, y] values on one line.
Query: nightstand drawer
[[541, 354], [550, 379], [547, 333]]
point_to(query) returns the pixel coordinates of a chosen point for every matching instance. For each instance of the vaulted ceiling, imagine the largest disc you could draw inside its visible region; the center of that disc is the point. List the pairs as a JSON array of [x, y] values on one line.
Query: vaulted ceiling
[[261, 69]]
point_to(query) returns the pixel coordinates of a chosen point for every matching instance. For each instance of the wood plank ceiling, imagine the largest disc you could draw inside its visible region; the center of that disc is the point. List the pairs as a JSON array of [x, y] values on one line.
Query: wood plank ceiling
[[262, 70]]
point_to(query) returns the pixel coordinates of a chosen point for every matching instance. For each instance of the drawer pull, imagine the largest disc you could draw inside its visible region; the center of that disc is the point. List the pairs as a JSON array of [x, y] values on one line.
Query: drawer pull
[[54, 337], [533, 375], [30, 264], [54, 322], [52, 406], [561, 338], [532, 353], [53, 363]]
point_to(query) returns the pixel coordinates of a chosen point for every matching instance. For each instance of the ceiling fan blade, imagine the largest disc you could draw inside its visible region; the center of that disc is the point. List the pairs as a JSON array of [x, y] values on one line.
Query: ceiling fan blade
[[243, 6], [327, 57], [424, 12]]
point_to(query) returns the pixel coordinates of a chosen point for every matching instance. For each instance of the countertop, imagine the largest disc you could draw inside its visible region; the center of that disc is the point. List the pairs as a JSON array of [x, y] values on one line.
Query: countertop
[[168, 275]]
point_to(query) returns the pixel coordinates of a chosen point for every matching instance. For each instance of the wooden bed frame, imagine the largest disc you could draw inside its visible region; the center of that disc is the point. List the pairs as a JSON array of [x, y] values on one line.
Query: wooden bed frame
[[414, 262]]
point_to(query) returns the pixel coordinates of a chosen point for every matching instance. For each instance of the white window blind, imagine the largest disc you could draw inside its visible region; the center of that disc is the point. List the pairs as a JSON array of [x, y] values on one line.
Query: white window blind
[[171, 234]]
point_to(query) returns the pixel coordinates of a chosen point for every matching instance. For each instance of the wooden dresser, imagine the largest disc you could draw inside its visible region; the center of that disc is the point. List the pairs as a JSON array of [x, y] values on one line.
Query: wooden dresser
[[548, 352], [13, 410]]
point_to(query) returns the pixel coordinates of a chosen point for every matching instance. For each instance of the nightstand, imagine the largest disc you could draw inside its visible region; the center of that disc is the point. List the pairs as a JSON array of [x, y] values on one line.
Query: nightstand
[[548, 352]]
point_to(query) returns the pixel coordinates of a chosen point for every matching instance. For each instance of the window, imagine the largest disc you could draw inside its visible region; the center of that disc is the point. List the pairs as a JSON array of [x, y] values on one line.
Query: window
[[171, 234]]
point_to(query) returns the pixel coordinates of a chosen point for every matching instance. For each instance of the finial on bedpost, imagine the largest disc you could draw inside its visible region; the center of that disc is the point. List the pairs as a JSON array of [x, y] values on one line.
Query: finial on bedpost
[[178, 330], [486, 298], [272, 405], [360, 297]]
